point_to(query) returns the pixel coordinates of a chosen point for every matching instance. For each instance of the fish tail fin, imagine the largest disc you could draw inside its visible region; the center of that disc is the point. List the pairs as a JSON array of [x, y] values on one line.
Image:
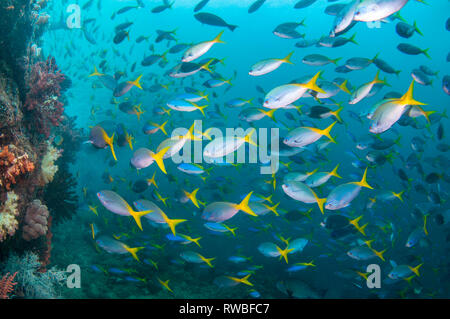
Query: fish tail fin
[[192, 197], [379, 254], [336, 114], [417, 29], [407, 98], [137, 82], [312, 83], [362, 229], [231, 230], [284, 253], [133, 251], [287, 59], [377, 78], [110, 142], [159, 158], [162, 127], [208, 261], [416, 269], [335, 61], [200, 108], [152, 181], [327, 131], [273, 209], [344, 88], [268, 198], [363, 182], [195, 240], [352, 39], [399, 195], [427, 114], [96, 73], [217, 38], [269, 114], [245, 280], [172, 222], [244, 205], [334, 172], [137, 217], [206, 66], [425, 52], [397, 140], [248, 137]]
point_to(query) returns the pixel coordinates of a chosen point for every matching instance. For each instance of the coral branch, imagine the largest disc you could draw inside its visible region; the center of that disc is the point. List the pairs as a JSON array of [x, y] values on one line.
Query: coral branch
[[7, 285], [44, 83], [12, 165]]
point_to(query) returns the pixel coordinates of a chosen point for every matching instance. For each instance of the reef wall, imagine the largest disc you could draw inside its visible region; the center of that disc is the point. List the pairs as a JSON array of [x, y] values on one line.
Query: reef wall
[[37, 140]]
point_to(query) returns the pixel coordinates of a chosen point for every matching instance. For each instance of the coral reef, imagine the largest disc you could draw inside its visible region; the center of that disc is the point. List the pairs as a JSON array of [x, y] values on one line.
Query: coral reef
[[48, 167], [13, 165], [8, 216], [60, 195], [35, 221], [31, 283], [32, 125], [7, 285], [44, 84]]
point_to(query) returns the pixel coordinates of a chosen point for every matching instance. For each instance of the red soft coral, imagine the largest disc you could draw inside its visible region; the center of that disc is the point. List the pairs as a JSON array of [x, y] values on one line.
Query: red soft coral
[[7, 285], [44, 82], [12, 165]]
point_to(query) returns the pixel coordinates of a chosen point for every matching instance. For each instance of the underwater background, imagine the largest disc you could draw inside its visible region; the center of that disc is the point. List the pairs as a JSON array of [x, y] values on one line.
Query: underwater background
[[71, 95]]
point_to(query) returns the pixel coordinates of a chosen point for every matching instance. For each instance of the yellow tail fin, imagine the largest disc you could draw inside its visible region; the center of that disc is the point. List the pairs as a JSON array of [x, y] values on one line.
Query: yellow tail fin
[[334, 172], [96, 73], [172, 222], [159, 158], [273, 209], [399, 195], [416, 269], [363, 182], [232, 230], [136, 82], [284, 253], [200, 108], [110, 142], [362, 229], [152, 181], [244, 205], [379, 253], [206, 66], [248, 137], [344, 88], [242, 280], [165, 284], [207, 260], [192, 197], [336, 114], [161, 127], [407, 98], [137, 216], [287, 59], [269, 113], [325, 132], [217, 39], [312, 84], [133, 251]]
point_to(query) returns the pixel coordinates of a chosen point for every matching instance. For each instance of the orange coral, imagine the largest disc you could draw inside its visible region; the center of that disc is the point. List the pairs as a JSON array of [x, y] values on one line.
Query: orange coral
[[7, 285], [11, 166]]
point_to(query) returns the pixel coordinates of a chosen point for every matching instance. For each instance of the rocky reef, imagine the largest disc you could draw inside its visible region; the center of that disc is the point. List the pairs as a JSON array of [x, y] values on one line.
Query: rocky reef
[[35, 177]]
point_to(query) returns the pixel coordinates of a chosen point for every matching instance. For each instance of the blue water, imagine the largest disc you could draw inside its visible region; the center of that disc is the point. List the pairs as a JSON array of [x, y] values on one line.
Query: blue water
[[389, 223]]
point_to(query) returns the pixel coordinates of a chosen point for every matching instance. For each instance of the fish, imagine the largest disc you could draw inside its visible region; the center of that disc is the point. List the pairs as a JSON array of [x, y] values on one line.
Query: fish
[[214, 20], [117, 205]]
